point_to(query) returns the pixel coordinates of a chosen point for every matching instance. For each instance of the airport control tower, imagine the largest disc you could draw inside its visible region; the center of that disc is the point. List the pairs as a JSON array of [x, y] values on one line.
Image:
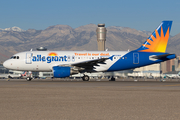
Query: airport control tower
[[101, 36]]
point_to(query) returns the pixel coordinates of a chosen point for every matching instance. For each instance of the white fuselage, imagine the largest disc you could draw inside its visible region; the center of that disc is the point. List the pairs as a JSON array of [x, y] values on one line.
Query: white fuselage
[[45, 60]]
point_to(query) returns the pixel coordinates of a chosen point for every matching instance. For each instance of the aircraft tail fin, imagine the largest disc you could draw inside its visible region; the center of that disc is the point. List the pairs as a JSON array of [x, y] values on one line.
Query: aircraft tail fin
[[158, 40]]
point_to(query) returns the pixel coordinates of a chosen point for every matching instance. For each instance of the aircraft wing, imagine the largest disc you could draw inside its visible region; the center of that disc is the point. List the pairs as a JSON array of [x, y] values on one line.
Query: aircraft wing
[[90, 62], [88, 65]]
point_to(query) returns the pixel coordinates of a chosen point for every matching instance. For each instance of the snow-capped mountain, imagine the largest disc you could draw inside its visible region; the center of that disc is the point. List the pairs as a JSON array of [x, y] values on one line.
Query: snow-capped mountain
[[13, 29]]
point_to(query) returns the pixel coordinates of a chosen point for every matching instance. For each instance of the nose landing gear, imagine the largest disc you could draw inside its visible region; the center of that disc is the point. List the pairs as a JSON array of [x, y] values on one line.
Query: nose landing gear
[[28, 78]]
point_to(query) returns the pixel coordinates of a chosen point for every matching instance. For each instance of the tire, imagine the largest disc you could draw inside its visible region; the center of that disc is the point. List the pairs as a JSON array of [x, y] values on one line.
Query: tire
[[28, 79], [112, 79], [85, 78]]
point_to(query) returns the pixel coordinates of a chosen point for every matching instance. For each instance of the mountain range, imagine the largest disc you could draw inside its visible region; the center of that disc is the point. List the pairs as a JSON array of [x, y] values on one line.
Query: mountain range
[[64, 37]]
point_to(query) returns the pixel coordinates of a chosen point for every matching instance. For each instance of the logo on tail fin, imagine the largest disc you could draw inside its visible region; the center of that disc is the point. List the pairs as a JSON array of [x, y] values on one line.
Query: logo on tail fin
[[158, 40]]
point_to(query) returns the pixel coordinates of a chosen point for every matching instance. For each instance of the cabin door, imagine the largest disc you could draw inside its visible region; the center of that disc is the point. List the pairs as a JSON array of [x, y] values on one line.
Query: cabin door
[[28, 58], [135, 58]]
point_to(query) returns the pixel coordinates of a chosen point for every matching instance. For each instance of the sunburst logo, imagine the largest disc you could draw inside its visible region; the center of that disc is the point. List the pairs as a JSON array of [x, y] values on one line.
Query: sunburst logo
[[52, 54], [158, 43]]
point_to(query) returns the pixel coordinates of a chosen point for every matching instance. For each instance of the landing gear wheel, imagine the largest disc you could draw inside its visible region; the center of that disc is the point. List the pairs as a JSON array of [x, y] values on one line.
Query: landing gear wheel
[[112, 79], [85, 78], [28, 79]]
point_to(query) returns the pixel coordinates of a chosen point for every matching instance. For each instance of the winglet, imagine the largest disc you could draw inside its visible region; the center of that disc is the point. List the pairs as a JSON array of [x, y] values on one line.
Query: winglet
[[111, 58]]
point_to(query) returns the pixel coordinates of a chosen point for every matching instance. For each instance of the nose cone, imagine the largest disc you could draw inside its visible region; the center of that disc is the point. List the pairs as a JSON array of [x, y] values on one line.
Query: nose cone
[[6, 64]]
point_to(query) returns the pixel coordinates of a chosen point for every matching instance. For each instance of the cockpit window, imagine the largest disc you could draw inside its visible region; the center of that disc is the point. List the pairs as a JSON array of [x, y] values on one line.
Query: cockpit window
[[15, 57]]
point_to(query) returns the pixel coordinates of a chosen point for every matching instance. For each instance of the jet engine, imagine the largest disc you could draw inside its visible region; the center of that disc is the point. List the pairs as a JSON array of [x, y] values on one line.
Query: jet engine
[[63, 71]]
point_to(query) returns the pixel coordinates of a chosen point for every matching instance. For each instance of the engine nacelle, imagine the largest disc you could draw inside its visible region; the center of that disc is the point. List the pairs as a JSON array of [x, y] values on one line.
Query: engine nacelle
[[63, 71]]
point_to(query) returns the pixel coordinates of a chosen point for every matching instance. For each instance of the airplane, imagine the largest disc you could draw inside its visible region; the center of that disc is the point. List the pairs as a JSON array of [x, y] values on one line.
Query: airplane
[[66, 63], [172, 75]]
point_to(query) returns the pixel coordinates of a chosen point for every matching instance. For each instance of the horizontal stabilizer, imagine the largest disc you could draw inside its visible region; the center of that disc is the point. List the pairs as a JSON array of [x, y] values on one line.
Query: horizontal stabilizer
[[164, 56]]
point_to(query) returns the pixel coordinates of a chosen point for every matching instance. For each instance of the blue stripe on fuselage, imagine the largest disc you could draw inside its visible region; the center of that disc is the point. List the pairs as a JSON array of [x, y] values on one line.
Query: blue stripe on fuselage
[[128, 63]]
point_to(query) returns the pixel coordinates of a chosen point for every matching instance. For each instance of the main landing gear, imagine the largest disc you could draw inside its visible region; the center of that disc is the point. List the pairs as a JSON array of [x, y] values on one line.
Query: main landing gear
[[85, 78], [112, 79]]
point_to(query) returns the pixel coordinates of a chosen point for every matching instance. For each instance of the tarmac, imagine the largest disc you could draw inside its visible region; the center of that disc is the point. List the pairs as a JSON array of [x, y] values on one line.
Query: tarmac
[[67, 99]]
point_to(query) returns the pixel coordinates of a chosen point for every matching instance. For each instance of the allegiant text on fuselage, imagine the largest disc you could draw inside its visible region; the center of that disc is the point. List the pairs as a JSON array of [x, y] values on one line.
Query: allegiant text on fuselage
[[49, 59]]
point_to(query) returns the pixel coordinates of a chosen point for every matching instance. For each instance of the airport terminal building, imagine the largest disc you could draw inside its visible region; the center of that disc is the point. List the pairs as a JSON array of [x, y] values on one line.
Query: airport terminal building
[[3, 70]]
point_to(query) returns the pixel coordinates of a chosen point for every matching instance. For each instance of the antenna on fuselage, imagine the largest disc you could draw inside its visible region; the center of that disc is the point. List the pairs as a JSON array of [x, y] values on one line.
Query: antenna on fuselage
[[31, 49]]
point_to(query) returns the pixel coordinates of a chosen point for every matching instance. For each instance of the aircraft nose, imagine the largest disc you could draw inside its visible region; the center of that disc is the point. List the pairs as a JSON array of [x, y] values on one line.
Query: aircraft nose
[[6, 64]]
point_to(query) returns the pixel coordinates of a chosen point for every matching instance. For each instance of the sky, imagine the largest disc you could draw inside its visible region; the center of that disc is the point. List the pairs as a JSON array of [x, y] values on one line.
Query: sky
[[137, 14]]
